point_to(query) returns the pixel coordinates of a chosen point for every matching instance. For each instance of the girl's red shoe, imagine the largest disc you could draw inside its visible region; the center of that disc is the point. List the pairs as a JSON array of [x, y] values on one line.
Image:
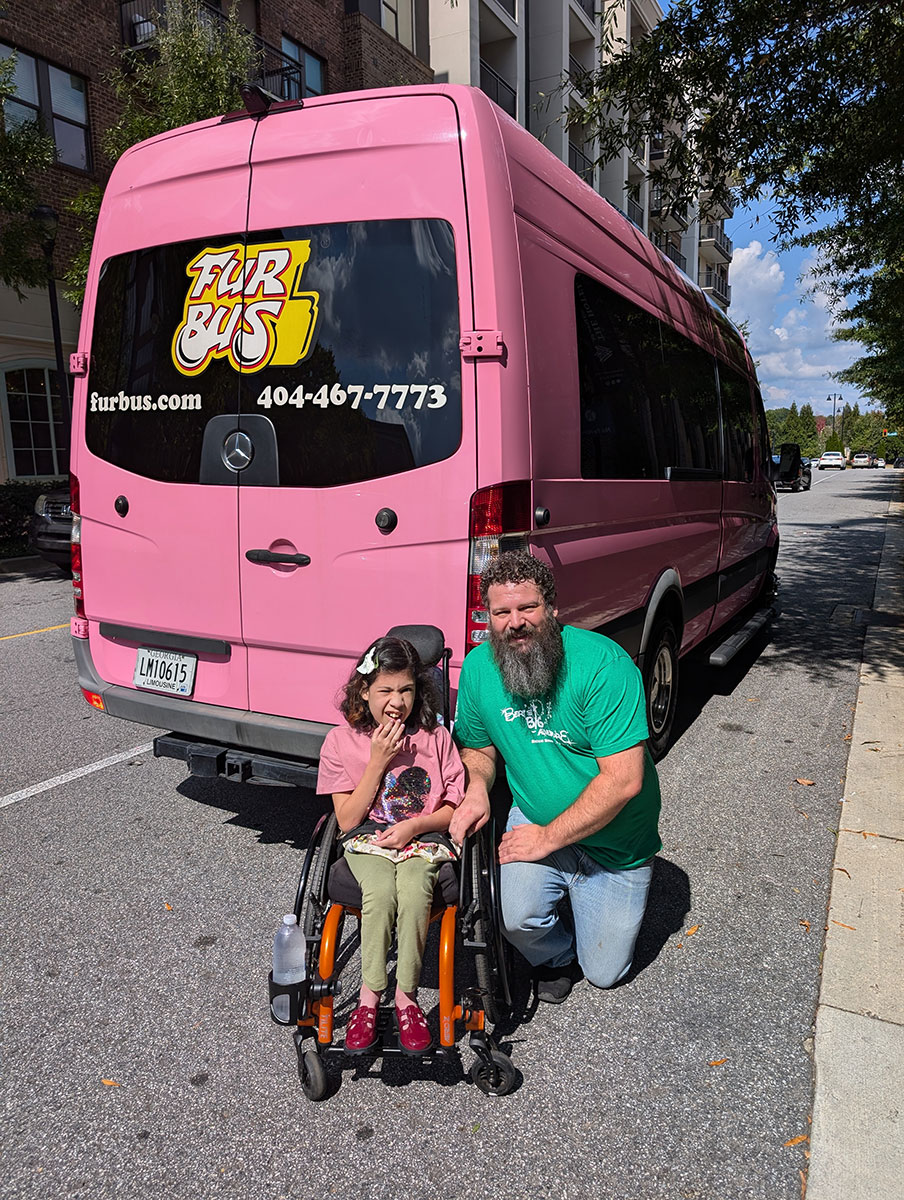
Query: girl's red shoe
[[361, 1031], [414, 1036]]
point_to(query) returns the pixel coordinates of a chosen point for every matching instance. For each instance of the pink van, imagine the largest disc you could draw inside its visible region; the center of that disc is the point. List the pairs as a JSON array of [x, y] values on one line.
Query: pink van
[[335, 355]]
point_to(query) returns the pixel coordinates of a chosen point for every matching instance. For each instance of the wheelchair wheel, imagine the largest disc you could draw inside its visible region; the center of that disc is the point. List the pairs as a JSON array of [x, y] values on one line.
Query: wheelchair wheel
[[310, 899], [490, 963], [497, 1080], [313, 1074]]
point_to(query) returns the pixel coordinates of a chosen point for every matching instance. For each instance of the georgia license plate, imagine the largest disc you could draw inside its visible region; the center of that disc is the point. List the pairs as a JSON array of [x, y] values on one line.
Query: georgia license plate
[[168, 671]]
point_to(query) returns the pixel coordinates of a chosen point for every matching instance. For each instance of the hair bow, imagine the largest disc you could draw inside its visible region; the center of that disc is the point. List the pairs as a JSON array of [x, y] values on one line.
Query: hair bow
[[368, 663]]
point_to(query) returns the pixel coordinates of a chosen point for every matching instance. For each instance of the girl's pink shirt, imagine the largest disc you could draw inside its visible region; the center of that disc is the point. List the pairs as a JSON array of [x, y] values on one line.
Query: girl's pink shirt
[[426, 773]]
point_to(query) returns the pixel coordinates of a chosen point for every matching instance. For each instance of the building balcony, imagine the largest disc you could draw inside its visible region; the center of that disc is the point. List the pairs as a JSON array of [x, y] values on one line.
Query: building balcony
[[710, 281], [670, 251], [507, 6], [721, 212], [580, 163], [635, 212], [714, 245], [274, 71], [578, 76], [588, 7], [671, 222], [494, 86]]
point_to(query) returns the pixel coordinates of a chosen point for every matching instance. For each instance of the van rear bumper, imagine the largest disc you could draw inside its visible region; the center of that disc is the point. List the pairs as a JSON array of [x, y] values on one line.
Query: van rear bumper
[[299, 740]]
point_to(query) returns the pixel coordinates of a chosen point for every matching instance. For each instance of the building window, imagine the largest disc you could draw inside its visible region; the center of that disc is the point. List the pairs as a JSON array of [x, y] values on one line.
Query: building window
[[36, 427], [56, 99], [304, 73], [397, 18]]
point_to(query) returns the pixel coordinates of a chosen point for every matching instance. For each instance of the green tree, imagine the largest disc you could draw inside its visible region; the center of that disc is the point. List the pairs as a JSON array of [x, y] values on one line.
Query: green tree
[[776, 419], [793, 426], [26, 151], [799, 102], [876, 322], [809, 434], [192, 68]]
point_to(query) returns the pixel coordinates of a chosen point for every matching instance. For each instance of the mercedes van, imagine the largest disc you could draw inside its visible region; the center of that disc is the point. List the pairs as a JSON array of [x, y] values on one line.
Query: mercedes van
[[333, 355]]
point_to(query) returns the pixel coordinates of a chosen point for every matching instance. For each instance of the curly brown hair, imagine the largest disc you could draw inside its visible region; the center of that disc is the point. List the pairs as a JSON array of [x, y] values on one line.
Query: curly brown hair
[[518, 566], [393, 656]]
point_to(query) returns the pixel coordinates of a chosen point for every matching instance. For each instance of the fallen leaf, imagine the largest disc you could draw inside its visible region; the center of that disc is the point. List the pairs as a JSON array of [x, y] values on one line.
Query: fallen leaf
[[863, 832], [844, 869], [796, 1141], [875, 749], [680, 945], [717, 1062], [693, 929], [804, 814], [806, 1154], [842, 924], [806, 925], [110, 1083], [806, 782], [168, 907], [803, 1184], [847, 737], [753, 699]]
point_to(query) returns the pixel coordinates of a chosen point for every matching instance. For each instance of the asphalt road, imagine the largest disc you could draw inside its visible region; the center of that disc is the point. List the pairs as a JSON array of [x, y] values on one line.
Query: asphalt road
[[139, 906]]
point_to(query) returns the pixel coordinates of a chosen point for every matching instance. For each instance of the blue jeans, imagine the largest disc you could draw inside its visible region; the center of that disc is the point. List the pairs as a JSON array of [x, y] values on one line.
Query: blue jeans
[[607, 908]]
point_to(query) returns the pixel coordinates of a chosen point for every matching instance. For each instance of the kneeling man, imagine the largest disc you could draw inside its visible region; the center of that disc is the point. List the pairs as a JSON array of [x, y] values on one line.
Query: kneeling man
[[565, 708]]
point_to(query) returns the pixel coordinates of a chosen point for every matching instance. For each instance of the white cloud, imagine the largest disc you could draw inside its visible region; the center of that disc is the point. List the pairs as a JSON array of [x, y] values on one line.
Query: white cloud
[[790, 327]]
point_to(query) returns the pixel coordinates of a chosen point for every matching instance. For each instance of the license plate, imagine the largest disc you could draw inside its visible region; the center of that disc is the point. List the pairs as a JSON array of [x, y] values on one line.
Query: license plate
[[167, 671]]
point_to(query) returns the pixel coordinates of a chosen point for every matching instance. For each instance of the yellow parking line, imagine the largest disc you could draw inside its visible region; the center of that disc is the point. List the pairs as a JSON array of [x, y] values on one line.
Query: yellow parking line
[[28, 633]]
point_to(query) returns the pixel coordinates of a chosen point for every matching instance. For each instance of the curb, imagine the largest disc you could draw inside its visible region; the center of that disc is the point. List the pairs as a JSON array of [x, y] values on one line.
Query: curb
[[857, 1138]]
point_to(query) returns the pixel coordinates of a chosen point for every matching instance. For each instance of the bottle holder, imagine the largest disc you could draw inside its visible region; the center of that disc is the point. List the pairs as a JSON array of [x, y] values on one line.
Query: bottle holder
[[296, 993]]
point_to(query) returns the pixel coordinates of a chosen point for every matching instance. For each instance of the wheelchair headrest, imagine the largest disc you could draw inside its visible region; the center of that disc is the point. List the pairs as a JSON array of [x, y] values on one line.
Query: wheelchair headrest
[[429, 641]]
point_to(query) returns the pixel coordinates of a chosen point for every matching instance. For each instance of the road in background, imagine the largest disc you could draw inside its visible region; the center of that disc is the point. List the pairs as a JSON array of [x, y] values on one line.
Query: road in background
[[139, 907]]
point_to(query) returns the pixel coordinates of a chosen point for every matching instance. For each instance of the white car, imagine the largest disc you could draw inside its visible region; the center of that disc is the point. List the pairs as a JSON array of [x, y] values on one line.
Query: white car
[[880, 462], [832, 458], [862, 460]]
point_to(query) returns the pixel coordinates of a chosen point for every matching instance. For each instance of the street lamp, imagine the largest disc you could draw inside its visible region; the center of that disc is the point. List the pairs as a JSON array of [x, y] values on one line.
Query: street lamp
[[48, 221], [833, 398]]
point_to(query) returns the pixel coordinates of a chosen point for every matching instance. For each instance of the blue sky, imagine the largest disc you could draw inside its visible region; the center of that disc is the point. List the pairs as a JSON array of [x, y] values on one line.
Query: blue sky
[[790, 331]]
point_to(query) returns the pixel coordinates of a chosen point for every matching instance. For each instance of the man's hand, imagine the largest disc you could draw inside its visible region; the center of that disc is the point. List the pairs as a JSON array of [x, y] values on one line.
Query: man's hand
[[525, 843], [472, 814]]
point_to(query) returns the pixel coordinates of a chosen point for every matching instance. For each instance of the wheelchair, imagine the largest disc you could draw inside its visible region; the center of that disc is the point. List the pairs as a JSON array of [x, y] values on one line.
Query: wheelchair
[[467, 908]]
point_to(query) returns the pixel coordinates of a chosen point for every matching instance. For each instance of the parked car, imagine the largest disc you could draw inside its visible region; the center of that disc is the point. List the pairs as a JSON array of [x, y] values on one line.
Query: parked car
[[880, 462], [51, 528], [899, 463], [861, 459], [831, 458], [790, 469]]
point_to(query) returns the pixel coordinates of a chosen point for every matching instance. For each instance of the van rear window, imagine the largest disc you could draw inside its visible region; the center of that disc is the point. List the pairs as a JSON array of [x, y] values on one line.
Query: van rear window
[[344, 337]]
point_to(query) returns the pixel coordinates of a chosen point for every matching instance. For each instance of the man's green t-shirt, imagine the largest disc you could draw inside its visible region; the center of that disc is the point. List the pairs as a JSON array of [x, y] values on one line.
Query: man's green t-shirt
[[551, 745]]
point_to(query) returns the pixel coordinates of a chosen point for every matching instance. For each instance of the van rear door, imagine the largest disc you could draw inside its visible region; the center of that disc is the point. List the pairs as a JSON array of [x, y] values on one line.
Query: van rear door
[[357, 228], [159, 533]]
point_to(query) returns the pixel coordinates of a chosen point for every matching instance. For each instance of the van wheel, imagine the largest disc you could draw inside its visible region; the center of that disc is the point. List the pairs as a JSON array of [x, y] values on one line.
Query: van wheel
[[660, 677]]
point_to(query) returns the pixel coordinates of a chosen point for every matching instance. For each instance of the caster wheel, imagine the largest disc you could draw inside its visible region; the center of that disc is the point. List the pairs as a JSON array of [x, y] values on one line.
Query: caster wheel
[[313, 1075], [505, 1075]]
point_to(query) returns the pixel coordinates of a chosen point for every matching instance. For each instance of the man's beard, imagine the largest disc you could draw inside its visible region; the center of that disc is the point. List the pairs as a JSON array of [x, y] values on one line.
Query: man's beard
[[531, 671]]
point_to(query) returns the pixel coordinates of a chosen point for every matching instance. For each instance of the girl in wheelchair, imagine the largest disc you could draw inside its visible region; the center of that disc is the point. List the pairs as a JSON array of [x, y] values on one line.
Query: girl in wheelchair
[[395, 777]]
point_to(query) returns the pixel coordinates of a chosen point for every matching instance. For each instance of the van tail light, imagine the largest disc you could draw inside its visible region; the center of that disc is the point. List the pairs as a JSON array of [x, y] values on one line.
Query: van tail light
[[500, 520], [75, 549]]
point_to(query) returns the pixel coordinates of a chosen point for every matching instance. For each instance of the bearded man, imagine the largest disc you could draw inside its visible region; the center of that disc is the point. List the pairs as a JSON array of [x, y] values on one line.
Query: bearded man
[[565, 708]]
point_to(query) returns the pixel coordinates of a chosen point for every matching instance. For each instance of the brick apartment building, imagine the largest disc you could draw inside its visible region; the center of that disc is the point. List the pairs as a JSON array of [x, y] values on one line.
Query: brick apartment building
[[65, 51]]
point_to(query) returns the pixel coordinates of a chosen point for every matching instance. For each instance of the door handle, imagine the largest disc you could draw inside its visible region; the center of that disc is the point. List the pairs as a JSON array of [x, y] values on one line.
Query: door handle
[[267, 556]]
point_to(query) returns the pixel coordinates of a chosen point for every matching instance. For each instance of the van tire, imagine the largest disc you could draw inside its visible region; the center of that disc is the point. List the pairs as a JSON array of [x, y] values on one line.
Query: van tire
[[660, 681]]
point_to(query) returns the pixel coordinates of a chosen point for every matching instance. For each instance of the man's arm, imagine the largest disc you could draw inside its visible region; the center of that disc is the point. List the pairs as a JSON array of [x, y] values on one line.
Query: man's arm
[[474, 810], [619, 780]]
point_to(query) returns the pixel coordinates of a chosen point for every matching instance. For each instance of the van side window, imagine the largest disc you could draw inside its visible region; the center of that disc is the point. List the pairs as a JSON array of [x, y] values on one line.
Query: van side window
[[763, 432], [689, 384], [648, 394], [737, 421], [623, 434]]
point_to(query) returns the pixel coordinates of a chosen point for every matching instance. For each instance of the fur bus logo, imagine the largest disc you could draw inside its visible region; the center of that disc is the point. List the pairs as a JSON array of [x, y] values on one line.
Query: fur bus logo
[[245, 304]]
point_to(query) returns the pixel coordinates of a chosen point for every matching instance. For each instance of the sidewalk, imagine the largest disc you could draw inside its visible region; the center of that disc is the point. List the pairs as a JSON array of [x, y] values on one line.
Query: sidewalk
[[857, 1138]]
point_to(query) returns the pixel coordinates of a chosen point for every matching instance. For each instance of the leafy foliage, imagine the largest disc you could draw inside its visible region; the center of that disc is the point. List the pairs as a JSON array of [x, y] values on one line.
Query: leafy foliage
[[799, 101], [17, 498], [191, 69], [25, 151]]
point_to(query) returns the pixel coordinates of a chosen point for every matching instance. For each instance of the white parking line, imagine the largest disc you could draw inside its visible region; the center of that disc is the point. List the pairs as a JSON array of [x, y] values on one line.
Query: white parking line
[[37, 788]]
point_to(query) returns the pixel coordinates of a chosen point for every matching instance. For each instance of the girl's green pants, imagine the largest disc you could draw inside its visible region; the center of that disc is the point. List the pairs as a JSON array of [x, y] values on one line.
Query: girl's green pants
[[393, 895]]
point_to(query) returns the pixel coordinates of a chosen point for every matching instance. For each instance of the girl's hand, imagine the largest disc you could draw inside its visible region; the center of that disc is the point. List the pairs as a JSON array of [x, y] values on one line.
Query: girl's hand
[[396, 837], [385, 742]]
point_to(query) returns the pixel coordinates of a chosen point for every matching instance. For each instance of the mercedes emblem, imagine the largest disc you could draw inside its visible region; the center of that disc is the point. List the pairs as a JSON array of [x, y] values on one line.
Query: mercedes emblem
[[238, 451]]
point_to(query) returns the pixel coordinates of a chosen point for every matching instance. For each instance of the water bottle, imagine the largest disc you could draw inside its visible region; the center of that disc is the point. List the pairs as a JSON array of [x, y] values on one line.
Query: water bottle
[[288, 963]]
